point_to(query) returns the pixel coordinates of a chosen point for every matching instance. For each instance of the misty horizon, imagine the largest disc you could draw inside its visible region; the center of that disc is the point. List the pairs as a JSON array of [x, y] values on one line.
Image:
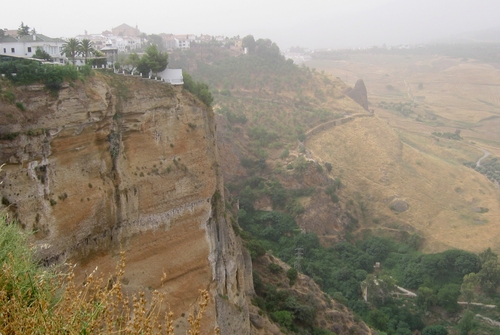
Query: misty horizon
[[314, 25]]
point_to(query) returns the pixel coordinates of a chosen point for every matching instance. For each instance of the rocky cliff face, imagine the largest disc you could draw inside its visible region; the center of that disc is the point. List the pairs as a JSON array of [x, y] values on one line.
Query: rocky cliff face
[[120, 163]]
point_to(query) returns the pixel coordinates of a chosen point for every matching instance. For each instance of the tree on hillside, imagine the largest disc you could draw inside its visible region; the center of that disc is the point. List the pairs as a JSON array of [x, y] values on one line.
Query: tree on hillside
[[447, 297], [489, 276], [487, 255], [155, 60], [23, 30], [86, 48], [468, 287], [267, 48], [199, 89], [249, 43], [133, 60], [426, 298], [378, 289], [71, 49], [467, 323]]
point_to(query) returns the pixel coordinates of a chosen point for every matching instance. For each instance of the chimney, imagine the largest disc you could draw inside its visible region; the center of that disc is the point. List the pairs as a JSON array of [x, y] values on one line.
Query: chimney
[[34, 37]]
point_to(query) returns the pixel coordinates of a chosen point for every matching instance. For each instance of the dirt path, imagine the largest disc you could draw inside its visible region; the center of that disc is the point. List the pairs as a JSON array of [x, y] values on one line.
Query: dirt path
[[333, 123], [410, 93], [490, 321], [463, 303], [486, 154], [407, 293]]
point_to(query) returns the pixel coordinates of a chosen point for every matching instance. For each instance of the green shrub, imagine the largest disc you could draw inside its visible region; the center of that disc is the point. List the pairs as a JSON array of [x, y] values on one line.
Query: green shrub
[[256, 249], [200, 90], [292, 275], [435, 330], [275, 268], [20, 106], [29, 72], [9, 96], [283, 318], [18, 257]]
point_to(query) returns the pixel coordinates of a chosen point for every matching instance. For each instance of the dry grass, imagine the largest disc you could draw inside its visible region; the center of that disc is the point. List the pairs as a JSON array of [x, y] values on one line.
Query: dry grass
[[460, 93], [394, 155], [42, 301], [377, 164]]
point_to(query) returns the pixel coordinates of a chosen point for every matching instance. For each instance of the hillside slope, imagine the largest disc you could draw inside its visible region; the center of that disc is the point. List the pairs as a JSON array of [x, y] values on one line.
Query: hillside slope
[[449, 204]]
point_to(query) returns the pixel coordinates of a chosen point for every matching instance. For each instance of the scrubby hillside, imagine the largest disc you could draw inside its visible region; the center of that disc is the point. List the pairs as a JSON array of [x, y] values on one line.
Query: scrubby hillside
[[299, 155]]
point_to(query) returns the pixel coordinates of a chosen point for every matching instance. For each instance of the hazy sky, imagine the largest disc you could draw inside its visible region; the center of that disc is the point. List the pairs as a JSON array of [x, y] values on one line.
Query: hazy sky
[[311, 23]]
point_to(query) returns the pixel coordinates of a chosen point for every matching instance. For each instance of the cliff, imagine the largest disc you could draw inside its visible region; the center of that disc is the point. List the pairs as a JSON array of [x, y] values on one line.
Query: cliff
[[118, 163]]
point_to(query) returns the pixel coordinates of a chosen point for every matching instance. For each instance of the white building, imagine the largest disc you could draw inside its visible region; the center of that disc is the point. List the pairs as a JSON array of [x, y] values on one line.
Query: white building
[[26, 46], [172, 76]]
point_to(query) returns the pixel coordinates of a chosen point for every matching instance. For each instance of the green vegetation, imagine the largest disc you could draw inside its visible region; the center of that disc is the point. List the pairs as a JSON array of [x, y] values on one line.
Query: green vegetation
[[451, 136], [199, 89], [270, 104], [34, 300], [71, 49], [402, 108], [490, 168], [342, 269], [42, 54], [261, 91], [29, 72]]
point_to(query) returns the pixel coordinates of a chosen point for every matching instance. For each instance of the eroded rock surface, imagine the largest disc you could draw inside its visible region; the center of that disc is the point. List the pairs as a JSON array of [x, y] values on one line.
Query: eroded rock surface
[[120, 163]]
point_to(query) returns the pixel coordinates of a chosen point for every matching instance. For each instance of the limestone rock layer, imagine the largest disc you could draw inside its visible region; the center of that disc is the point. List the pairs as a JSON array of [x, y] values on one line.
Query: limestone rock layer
[[124, 164]]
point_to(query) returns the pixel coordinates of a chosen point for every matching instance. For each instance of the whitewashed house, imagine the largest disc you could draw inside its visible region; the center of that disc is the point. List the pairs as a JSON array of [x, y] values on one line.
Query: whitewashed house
[[26, 46], [172, 76]]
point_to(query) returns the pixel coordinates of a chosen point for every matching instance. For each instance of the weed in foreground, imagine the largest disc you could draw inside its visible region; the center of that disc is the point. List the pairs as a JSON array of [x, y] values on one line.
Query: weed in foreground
[[34, 300]]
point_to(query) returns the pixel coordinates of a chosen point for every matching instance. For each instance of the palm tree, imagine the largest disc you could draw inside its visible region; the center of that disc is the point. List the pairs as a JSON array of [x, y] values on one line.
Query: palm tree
[[71, 49], [86, 48]]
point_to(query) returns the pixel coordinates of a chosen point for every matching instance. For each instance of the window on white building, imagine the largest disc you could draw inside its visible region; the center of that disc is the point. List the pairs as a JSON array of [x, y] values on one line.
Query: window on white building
[[4, 50], [13, 50], [29, 49]]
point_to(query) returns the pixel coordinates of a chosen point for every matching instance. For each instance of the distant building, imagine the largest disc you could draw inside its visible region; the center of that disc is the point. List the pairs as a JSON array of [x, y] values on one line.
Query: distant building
[[126, 30], [111, 53], [184, 44], [185, 40], [171, 42], [98, 40], [204, 39]]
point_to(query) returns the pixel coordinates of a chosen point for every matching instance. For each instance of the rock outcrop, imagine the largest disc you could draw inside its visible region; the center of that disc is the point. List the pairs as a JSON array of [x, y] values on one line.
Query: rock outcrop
[[119, 163], [359, 93]]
